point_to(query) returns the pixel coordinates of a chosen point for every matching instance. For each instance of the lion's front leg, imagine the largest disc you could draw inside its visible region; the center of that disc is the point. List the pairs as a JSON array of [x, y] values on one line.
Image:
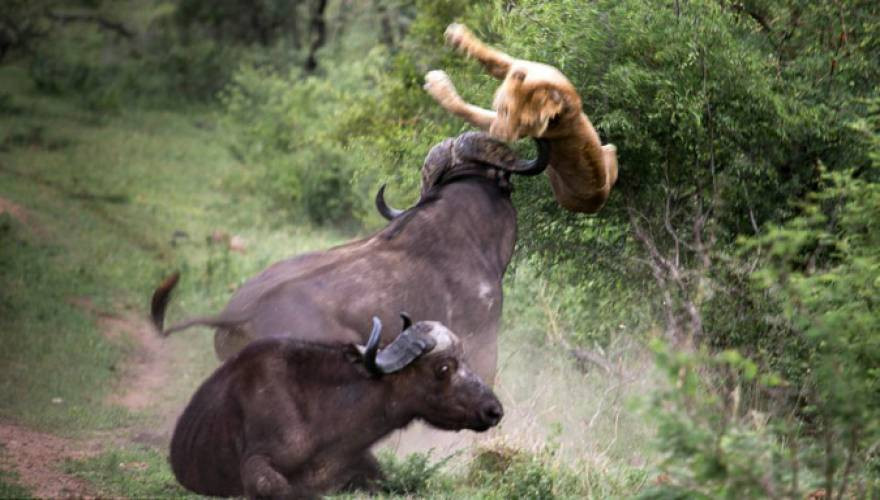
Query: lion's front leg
[[438, 84], [497, 63]]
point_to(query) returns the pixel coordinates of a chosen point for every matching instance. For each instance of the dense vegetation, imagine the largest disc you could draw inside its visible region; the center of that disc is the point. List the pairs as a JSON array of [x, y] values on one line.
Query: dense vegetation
[[741, 241]]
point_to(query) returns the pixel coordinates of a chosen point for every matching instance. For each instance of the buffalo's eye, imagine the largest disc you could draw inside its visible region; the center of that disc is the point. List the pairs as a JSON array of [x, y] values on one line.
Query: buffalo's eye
[[444, 370]]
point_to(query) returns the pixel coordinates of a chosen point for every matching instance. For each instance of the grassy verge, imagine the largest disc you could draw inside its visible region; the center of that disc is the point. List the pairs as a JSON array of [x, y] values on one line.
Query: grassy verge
[[130, 471], [106, 206], [9, 487]]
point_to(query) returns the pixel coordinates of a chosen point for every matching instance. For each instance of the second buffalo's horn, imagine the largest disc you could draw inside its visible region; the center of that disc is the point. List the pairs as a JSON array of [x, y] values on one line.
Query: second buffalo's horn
[[409, 345], [372, 348]]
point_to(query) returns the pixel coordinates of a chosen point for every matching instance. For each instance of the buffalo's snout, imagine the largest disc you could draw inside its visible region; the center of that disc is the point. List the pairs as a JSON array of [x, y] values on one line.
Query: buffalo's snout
[[491, 413], [488, 412]]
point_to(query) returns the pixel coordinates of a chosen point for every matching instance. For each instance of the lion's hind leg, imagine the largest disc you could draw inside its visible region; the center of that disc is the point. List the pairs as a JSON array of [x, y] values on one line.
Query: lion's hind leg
[[497, 63]]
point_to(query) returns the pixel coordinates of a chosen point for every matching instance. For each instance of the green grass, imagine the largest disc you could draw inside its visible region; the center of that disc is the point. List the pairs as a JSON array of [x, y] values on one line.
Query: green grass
[[9, 487], [103, 196], [132, 472], [55, 367], [100, 198]]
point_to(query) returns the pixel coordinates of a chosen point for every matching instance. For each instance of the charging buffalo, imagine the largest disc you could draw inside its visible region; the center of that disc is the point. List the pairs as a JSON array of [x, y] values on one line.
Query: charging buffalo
[[443, 260]]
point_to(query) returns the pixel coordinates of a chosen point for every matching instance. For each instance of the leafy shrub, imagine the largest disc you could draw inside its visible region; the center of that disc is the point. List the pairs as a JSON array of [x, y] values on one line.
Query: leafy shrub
[[730, 431], [412, 475], [511, 473], [716, 445], [160, 69], [287, 126]]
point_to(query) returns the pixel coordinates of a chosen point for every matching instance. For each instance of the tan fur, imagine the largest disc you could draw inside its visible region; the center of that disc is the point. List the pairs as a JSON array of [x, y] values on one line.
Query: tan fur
[[535, 100]]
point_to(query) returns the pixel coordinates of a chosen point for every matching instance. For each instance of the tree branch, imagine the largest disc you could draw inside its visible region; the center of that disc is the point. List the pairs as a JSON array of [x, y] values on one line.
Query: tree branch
[[317, 33]]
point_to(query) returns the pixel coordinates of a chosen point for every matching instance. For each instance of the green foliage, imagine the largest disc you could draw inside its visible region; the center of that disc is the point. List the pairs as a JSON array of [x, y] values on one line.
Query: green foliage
[[287, 126], [107, 72], [501, 472], [717, 445], [413, 474], [820, 273], [515, 474], [112, 55], [707, 130], [242, 22]]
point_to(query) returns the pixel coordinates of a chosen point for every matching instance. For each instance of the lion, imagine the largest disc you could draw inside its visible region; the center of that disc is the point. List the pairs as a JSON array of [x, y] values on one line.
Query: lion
[[535, 100]]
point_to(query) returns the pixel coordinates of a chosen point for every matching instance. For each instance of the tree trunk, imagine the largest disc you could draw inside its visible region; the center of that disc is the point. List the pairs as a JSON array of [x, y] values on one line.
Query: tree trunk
[[317, 34]]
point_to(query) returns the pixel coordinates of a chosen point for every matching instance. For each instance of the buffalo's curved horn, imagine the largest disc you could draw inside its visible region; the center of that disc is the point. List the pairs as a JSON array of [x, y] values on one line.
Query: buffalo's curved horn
[[372, 348], [407, 321], [532, 167], [409, 345], [479, 147], [383, 208]]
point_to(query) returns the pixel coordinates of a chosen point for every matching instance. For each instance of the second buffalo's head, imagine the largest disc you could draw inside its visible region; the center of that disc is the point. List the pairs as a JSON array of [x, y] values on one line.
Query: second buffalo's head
[[430, 379]]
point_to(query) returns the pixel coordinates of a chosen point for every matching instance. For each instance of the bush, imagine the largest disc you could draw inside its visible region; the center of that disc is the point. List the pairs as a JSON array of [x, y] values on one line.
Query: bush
[[511, 473], [158, 54], [412, 475], [288, 126], [730, 431]]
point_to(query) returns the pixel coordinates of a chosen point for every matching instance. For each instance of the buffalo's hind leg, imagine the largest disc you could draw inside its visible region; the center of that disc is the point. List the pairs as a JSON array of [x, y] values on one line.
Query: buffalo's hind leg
[[497, 63]]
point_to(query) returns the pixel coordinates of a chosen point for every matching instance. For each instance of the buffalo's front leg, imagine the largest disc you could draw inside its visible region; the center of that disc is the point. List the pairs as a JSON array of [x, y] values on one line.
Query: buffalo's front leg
[[497, 63], [365, 474], [261, 480], [440, 87]]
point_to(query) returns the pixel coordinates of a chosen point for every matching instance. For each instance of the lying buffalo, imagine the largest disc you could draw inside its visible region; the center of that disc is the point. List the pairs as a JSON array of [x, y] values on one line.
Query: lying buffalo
[[442, 260], [296, 419]]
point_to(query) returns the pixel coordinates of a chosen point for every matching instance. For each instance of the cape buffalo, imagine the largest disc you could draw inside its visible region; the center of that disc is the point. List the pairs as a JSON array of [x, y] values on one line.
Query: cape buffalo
[[443, 260], [296, 419]]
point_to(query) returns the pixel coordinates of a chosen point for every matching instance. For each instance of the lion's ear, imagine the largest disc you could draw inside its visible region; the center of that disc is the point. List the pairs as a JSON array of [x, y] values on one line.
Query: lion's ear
[[549, 102]]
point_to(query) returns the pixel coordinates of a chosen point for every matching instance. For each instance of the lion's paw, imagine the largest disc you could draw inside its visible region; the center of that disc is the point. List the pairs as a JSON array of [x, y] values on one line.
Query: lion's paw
[[440, 86], [458, 36]]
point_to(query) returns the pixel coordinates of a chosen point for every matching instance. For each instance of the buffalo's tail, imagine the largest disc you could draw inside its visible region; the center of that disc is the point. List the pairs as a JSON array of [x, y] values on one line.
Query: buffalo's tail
[[159, 303], [161, 297]]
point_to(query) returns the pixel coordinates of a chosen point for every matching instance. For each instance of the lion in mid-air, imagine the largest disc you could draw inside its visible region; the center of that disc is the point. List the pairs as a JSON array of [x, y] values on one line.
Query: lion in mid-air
[[535, 100]]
